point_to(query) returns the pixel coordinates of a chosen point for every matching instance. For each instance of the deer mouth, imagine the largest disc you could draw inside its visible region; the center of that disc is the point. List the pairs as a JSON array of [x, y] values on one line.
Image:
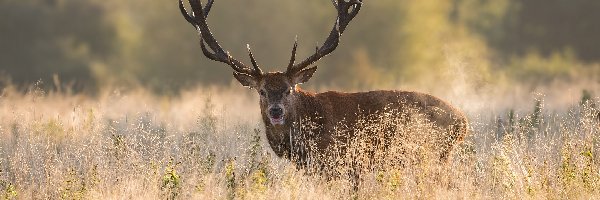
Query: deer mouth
[[277, 120]]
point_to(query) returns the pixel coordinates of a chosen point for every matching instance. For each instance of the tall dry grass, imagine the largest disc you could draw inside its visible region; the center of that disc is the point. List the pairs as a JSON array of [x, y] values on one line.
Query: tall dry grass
[[209, 144]]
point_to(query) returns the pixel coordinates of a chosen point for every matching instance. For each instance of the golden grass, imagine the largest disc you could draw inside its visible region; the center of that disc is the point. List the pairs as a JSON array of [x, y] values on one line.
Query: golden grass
[[208, 144]]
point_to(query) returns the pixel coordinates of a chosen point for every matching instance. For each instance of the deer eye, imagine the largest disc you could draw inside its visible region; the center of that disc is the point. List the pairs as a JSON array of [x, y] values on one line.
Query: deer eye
[[262, 93], [287, 92]]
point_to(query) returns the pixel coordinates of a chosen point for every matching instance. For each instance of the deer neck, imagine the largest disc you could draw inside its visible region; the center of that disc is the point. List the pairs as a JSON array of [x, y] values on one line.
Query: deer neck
[[306, 107]]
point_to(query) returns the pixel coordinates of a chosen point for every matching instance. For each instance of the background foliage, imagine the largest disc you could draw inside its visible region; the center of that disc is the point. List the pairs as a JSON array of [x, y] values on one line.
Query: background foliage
[[93, 43]]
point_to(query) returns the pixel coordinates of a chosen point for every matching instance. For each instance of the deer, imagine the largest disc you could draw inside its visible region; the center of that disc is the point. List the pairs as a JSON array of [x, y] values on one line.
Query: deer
[[283, 104]]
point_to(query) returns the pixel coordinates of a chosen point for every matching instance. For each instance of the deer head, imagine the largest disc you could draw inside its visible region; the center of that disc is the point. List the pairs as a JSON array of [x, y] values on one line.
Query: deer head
[[278, 91]]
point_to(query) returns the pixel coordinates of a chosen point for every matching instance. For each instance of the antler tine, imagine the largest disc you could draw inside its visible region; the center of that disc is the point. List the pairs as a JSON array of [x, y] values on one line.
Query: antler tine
[[202, 27], [186, 15], [256, 67], [189, 18], [208, 7], [198, 20], [335, 4], [293, 58], [345, 15]]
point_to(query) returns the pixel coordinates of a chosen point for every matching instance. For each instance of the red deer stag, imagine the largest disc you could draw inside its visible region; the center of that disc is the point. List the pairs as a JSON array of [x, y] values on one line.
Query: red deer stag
[[283, 104]]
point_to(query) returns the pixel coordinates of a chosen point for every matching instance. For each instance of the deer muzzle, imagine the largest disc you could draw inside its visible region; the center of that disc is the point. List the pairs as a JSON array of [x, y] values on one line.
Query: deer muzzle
[[276, 115]]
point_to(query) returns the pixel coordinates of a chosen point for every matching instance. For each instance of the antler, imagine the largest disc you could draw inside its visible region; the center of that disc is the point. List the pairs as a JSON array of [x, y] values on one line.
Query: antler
[[347, 10], [198, 19]]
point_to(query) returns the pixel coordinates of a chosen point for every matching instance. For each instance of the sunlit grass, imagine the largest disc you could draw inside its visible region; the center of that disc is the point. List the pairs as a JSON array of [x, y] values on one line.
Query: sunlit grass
[[209, 144]]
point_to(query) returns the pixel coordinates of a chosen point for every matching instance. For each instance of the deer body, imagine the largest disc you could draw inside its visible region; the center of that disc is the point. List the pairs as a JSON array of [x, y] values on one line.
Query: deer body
[[329, 110], [285, 107]]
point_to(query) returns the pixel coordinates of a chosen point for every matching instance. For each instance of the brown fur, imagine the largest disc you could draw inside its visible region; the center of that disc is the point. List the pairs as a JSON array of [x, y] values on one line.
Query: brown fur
[[284, 106], [330, 109]]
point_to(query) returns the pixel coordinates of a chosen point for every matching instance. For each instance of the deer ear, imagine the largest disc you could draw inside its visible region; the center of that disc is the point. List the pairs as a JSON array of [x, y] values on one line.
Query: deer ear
[[304, 75], [246, 80]]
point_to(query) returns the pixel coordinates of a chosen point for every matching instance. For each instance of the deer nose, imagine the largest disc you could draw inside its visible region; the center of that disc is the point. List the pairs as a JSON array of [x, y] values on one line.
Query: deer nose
[[276, 112]]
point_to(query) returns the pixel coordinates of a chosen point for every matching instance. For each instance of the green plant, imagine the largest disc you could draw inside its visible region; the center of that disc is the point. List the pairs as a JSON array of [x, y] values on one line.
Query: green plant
[[589, 176], [8, 190], [73, 186], [171, 181], [230, 179], [568, 170], [259, 165]]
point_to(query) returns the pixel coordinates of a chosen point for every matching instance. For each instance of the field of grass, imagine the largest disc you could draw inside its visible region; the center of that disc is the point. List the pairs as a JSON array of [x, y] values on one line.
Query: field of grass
[[209, 144]]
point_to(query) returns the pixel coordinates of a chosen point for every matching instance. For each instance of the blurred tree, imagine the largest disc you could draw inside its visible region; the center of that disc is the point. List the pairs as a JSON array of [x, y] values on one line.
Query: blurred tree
[[391, 42], [43, 38], [516, 28]]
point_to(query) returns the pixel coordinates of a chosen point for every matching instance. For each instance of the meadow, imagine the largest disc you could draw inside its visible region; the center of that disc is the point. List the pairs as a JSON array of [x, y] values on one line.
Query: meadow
[[111, 99], [208, 143]]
